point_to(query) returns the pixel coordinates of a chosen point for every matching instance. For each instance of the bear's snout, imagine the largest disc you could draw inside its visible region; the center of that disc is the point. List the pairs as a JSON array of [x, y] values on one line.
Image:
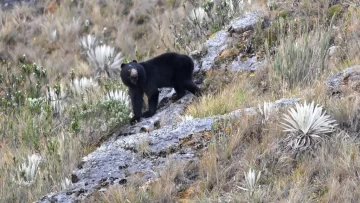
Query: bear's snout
[[133, 76]]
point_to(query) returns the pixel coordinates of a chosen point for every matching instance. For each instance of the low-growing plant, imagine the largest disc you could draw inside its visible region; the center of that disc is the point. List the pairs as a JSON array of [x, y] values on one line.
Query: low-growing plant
[[20, 79], [52, 119], [28, 170], [103, 59], [306, 125], [266, 110], [186, 118], [88, 42], [66, 183], [251, 182], [80, 86]]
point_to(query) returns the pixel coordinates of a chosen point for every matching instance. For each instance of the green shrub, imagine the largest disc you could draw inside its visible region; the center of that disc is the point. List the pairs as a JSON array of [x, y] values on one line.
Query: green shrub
[[299, 61]]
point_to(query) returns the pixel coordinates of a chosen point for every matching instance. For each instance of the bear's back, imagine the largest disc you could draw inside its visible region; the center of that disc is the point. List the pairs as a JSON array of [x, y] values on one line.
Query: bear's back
[[166, 68]]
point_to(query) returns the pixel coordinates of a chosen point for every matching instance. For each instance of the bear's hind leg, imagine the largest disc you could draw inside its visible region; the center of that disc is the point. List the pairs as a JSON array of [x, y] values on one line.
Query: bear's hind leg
[[153, 102], [180, 92], [191, 87]]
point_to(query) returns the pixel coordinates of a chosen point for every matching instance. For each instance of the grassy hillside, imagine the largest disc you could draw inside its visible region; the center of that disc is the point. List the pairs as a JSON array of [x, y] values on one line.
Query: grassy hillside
[[57, 103], [57, 99], [254, 159]]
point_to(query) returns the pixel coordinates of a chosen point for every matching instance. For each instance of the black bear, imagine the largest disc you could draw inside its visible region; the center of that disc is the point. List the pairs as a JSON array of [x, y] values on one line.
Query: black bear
[[167, 70]]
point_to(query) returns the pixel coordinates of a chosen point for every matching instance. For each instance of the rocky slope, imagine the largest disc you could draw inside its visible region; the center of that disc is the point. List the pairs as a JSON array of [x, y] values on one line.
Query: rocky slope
[[143, 150], [164, 135]]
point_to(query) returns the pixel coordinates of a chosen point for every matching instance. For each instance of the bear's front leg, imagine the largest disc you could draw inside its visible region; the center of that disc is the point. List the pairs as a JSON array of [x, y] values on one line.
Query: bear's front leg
[[153, 99], [136, 96]]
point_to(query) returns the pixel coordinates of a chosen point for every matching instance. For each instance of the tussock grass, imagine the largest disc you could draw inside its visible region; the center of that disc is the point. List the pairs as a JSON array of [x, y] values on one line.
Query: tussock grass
[[300, 61], [346, 112], [220, 104], [223, 98]]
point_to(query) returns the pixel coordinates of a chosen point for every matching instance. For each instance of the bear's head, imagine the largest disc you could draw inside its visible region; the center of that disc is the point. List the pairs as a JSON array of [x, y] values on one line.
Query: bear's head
[[132, 73]]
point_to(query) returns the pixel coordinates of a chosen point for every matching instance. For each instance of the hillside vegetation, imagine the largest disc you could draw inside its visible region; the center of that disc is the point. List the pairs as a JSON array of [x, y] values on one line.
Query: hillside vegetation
[[60, 95]]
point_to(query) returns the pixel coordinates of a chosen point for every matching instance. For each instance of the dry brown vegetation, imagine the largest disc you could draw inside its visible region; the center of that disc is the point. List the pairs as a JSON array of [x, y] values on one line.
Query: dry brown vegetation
[[295, 48]]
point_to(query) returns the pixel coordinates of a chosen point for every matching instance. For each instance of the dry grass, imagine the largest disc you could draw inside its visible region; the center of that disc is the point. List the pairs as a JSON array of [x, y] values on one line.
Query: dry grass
[[327, 174], [221, 98], [162, 189]]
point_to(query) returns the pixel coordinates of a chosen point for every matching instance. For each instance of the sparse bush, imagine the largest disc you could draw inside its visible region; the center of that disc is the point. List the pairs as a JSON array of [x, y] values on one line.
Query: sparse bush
[[347, 112], [115, 107], [302, 60], [223, 100], [127, 6], [29, 79], [44, 118]]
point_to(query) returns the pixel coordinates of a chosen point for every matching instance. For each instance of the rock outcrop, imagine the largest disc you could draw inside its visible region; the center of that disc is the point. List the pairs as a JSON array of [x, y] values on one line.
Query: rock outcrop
[[145, 153], [218, 43], [348, 79]]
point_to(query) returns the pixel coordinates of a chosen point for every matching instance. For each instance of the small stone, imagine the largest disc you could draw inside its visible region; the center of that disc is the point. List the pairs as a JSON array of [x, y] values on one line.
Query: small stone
[[122, 181], [74, 178], [81, 164], [69, 192], [104, 184], [81, 191], [145, 129], [112, 179]]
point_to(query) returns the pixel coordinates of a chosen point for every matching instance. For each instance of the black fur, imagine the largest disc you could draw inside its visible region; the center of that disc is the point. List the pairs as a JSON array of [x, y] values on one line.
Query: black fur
[[167, 70]]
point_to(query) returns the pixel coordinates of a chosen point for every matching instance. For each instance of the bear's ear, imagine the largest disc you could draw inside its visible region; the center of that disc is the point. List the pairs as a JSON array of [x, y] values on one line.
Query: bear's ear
[[134, 61], [122, 65]]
